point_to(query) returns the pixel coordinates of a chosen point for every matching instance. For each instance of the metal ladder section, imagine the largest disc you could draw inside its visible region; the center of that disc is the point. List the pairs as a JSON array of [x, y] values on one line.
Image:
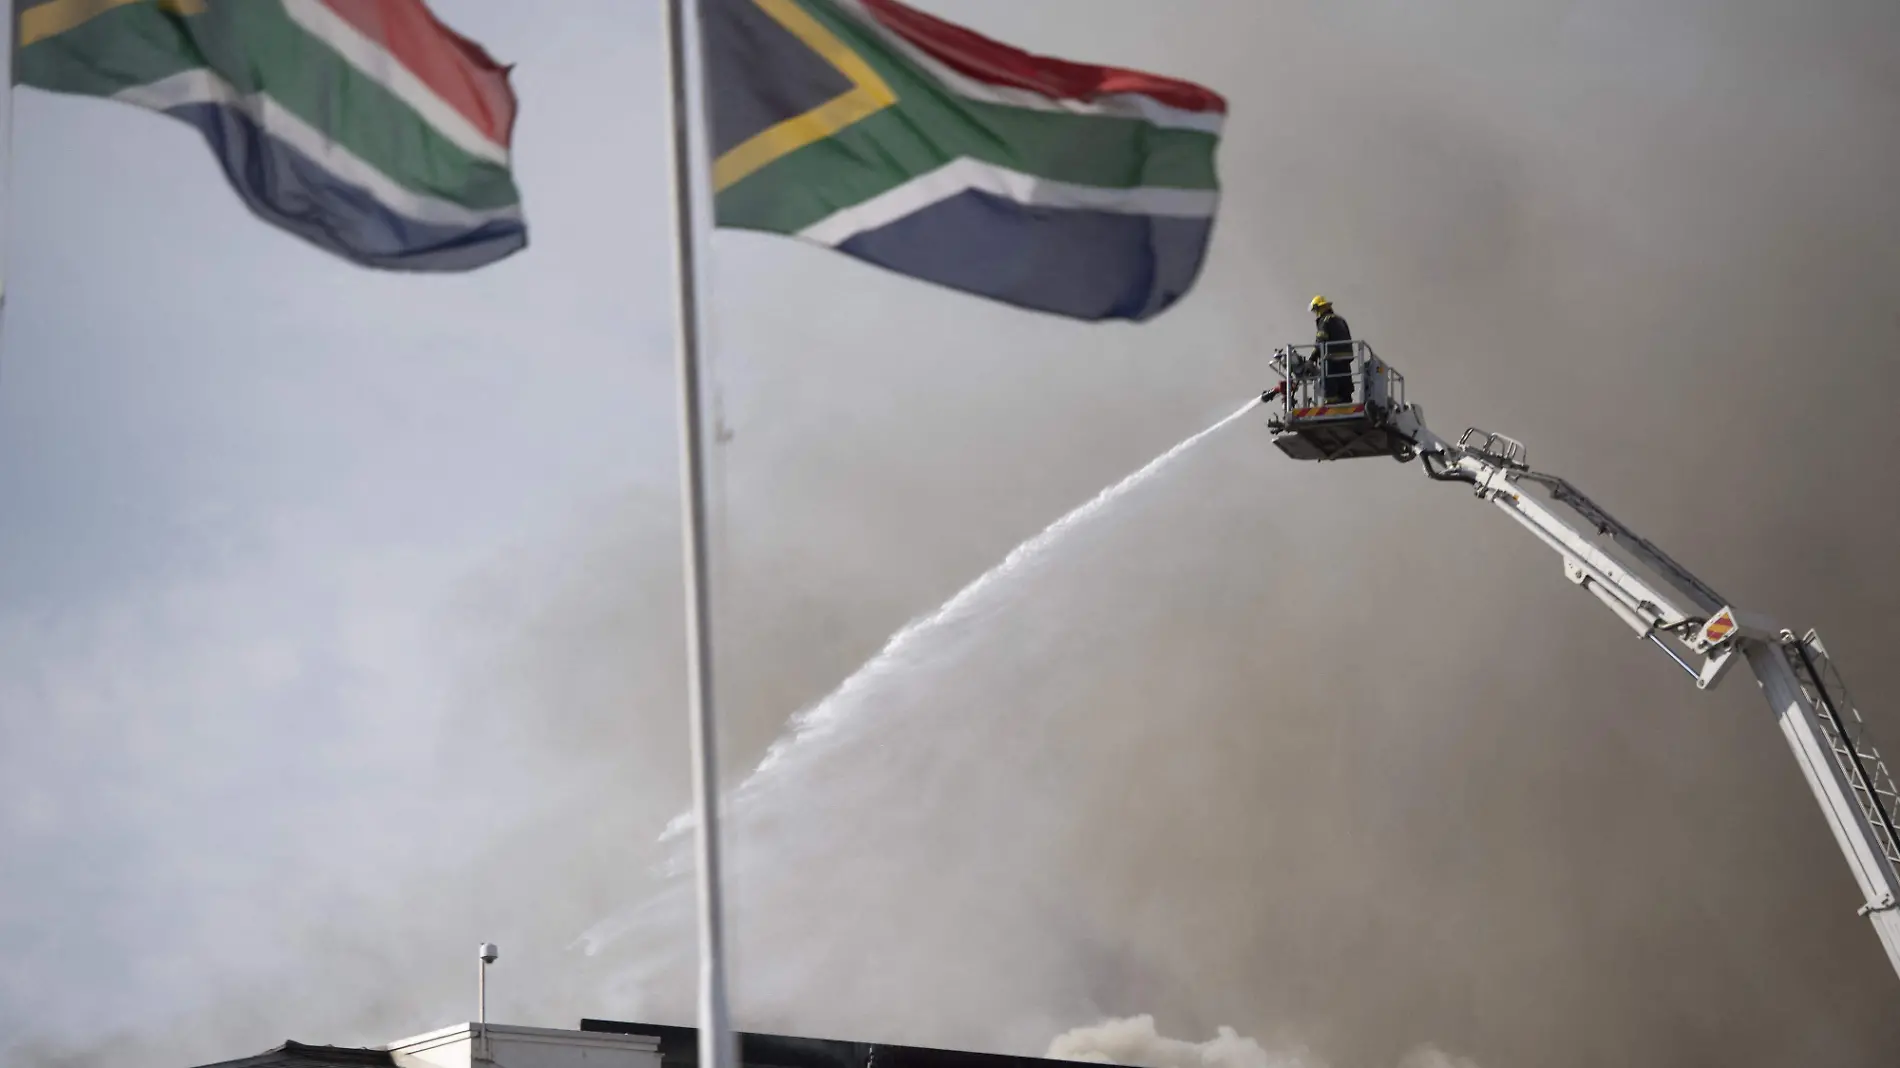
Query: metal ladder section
[[1860, 762]]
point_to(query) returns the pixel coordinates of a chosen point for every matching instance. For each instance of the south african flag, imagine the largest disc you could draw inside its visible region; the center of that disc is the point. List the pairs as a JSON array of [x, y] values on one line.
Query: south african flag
[[891, 135], [366, 127]]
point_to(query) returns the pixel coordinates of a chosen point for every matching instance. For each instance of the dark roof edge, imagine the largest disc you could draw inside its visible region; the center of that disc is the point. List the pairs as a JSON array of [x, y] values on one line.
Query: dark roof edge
[[680, 1044], [301, 1053]]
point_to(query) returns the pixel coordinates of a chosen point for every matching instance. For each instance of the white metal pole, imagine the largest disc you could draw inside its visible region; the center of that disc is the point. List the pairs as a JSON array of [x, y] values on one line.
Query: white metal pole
[[485, 954], [715, 1040], [6, 167]]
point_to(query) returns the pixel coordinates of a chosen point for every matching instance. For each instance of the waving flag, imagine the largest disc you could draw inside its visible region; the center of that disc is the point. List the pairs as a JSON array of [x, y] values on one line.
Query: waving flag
[[896, 137], [364, 126]]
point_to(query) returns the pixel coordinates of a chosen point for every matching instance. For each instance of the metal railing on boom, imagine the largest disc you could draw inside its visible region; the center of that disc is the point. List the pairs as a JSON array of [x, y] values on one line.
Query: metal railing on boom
[[1860, 761], [1304, 372]]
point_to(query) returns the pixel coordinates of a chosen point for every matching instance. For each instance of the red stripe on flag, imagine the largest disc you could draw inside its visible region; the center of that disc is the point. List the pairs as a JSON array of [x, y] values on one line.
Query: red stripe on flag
[[460, 71], [975, 56]]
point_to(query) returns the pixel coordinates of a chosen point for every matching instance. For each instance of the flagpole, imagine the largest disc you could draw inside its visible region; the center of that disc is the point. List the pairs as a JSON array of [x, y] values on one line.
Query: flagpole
[[715, 1040], [6, 167]]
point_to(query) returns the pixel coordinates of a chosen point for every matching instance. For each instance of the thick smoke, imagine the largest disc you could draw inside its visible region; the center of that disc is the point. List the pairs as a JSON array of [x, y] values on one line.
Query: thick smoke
[[1333, 756], [1134, 1041], [1335, 749]]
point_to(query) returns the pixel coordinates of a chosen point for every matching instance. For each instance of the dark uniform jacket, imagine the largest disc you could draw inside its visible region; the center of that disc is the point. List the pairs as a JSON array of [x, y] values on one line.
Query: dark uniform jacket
[[1335, 339], [1331, 327]]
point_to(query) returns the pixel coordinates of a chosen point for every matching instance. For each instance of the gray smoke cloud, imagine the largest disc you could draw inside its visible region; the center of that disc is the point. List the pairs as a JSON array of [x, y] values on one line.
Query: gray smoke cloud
[[1331, 756], [1136, 1042], [1331, 748]]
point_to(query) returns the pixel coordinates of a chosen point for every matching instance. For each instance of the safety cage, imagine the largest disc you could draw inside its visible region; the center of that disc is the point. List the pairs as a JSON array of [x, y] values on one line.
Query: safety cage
[[1338, 408]]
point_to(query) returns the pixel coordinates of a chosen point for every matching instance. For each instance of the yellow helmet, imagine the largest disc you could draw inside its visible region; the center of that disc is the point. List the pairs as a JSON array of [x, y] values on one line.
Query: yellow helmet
[[1318, 303]]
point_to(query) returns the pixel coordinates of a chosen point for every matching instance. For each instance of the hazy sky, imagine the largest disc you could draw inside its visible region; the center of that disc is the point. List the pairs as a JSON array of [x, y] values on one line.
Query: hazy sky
[[339, 611], [242, 484]]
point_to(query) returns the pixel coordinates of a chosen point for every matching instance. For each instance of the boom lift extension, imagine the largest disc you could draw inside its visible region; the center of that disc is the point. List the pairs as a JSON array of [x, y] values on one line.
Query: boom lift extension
[[1670, 608]]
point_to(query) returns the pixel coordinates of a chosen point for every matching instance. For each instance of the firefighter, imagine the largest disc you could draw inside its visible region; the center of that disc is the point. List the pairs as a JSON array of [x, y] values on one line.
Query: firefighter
[[1334, 339]]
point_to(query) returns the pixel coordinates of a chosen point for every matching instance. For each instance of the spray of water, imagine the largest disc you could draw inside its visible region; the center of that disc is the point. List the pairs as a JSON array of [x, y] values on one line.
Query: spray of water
[[827, 723]]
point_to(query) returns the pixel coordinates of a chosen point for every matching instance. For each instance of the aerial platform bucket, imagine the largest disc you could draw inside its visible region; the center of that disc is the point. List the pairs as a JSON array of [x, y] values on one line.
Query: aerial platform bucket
[[1317, 417]]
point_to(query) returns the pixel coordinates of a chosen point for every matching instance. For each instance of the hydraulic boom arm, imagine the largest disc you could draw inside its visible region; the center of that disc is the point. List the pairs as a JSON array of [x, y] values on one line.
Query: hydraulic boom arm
[[1703, 633], [1669, 607]]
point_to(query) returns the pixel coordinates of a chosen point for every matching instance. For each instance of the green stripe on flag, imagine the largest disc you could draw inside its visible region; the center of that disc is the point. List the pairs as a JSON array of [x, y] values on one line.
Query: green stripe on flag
[[885, 151], [256, 47], [931, 126], [134, 45]]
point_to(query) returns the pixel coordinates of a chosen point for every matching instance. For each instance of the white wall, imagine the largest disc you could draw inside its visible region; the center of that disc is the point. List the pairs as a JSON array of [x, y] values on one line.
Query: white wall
[[524, 1047]]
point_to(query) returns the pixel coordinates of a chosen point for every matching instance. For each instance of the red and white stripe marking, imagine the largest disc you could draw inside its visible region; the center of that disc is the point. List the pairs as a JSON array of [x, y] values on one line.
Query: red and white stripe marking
[[982, 69], [449, 80]]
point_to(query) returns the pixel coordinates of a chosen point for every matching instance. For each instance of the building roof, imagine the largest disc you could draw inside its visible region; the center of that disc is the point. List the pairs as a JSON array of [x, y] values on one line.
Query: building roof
[[679, 1048], [299, 1055]]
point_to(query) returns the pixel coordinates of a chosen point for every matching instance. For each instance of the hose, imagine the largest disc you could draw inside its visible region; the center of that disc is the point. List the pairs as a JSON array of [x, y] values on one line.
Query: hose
[[1449, 474]]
